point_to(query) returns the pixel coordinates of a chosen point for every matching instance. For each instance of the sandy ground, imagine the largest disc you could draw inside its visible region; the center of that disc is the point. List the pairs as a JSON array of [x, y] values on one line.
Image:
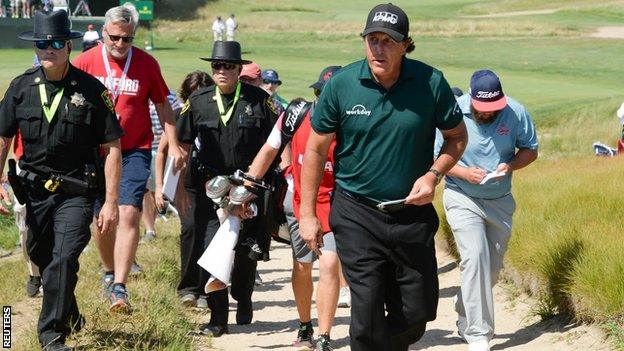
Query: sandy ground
[[612, 32], [515, 13], [275, 318]]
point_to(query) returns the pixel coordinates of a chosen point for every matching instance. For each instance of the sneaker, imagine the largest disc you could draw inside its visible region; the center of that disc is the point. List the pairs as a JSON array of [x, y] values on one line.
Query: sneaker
[[188, 300], [322, 344], [202, 302], [479, 345], [107, 283], [148, 236], [344, 299], [32, 286], [135, 269], [304, 337], [119, 299]]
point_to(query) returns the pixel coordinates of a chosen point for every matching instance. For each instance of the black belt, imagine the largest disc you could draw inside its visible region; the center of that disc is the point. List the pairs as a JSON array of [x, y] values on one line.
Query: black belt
[[366, 201]]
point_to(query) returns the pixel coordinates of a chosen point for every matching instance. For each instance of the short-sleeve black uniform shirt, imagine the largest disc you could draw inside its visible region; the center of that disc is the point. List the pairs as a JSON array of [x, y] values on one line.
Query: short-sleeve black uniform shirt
[[224, 148], [84, 120]]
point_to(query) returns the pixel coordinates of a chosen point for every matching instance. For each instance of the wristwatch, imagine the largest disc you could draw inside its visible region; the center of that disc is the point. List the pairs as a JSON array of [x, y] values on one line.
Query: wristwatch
[[437, 174]]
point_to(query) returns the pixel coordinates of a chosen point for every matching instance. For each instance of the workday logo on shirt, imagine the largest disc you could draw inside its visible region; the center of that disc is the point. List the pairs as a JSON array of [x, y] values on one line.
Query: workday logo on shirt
[[358, 110]]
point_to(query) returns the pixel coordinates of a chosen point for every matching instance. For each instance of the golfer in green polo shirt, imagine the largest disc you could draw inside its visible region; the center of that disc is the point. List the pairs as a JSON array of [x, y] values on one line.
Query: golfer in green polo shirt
[[384, 111]]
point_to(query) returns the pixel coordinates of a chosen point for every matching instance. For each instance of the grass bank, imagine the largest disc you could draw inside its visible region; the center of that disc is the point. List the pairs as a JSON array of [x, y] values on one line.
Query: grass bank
[[158, 321]]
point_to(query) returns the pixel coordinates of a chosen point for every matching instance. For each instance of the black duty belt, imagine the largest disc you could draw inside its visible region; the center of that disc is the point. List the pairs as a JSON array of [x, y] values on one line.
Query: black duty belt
[[366, 201]]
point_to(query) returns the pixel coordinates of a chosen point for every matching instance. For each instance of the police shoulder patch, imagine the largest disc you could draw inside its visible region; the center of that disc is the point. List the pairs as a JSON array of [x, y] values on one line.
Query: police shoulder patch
[[185, 107], [269, 103], [107, 101]]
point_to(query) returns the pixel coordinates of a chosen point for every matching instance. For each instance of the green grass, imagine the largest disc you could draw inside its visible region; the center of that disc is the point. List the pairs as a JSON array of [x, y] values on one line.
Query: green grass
[[158, 321], [8, 233]]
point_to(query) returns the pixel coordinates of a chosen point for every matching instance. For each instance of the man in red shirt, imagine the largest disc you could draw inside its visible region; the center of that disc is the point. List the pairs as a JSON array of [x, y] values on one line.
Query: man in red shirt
[[303, 257], [133, 78]]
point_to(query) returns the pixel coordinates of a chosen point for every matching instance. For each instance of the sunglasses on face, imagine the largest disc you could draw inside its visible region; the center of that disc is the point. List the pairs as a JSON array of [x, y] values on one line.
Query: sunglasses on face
[[115, 38], [225, 65], [270, 82], [55, 44]]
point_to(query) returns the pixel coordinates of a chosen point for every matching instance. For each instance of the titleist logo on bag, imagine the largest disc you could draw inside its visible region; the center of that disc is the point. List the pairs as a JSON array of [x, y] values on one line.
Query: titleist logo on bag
[[292, 116]]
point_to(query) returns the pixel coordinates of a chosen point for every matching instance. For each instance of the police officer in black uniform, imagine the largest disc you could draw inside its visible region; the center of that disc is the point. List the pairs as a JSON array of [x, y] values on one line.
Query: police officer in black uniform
[[63, 116], [231, 121]]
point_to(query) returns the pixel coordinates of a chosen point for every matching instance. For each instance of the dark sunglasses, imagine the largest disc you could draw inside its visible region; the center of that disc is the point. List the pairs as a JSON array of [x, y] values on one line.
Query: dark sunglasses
[[115, 38], [270, 82], [225, 65], [55, 44]]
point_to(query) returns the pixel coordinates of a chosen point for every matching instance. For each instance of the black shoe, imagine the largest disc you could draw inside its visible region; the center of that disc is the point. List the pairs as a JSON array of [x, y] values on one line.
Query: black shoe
[[32, 286], [304, 337], [244, 313], [57, 346], [213, 330]]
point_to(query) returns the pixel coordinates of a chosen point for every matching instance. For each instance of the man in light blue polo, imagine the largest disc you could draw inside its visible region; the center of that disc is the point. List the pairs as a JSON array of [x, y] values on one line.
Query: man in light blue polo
[[478, 201]]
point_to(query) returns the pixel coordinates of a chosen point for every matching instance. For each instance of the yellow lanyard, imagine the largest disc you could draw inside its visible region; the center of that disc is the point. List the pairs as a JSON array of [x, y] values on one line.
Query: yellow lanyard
[[225, 116], [49, 111]]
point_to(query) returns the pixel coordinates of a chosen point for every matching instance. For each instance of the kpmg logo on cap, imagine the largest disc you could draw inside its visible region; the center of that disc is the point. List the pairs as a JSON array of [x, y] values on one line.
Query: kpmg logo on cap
[[487, 94], [358, 110], [385, 16]]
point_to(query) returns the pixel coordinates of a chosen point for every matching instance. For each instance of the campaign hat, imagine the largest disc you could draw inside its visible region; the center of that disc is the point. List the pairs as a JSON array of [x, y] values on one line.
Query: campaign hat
[[226, 51], [51, 26]]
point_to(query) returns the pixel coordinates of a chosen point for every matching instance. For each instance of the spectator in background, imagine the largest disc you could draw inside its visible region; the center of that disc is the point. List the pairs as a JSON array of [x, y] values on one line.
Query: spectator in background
[[230, 28], [25, 8], [148, 215], [217, 29], [620, 115], [90, 39], [3, 13], [270, 83], [115, 61], [15, 8], [477, 198], [251, 74], [190, 288]]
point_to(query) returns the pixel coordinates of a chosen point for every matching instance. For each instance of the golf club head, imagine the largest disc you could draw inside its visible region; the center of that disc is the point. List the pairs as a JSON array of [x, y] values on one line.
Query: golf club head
[[240, 195], [218, 187]]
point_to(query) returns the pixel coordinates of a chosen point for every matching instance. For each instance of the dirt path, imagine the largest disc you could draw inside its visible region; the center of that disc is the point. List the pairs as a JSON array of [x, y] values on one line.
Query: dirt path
[[515, 13], [611, 32], [275, 318]]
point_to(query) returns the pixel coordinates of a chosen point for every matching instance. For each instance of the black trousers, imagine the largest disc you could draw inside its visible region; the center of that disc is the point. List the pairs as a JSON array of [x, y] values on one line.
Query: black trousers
[[244, 270], [58, 231], [389, 261], [191, 248]]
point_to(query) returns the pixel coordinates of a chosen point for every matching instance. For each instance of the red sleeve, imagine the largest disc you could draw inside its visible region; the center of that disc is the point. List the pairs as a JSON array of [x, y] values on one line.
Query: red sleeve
[[18, 149], [158, 89]]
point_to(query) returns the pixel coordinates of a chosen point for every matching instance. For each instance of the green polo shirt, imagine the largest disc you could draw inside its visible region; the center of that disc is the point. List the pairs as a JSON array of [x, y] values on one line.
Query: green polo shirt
[[384, 137]]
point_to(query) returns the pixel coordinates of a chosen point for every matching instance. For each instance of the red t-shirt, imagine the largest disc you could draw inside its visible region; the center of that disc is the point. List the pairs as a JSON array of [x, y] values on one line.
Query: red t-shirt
[[143, 82], [18, 149], [298, 145]]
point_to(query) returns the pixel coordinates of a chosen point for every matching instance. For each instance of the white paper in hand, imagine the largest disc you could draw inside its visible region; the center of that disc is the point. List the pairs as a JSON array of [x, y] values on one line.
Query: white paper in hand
[[218, 259], [492, 177], [170, 181]]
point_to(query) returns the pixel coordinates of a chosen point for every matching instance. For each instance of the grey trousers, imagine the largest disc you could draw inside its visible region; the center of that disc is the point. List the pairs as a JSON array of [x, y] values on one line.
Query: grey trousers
[[482, 229]]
